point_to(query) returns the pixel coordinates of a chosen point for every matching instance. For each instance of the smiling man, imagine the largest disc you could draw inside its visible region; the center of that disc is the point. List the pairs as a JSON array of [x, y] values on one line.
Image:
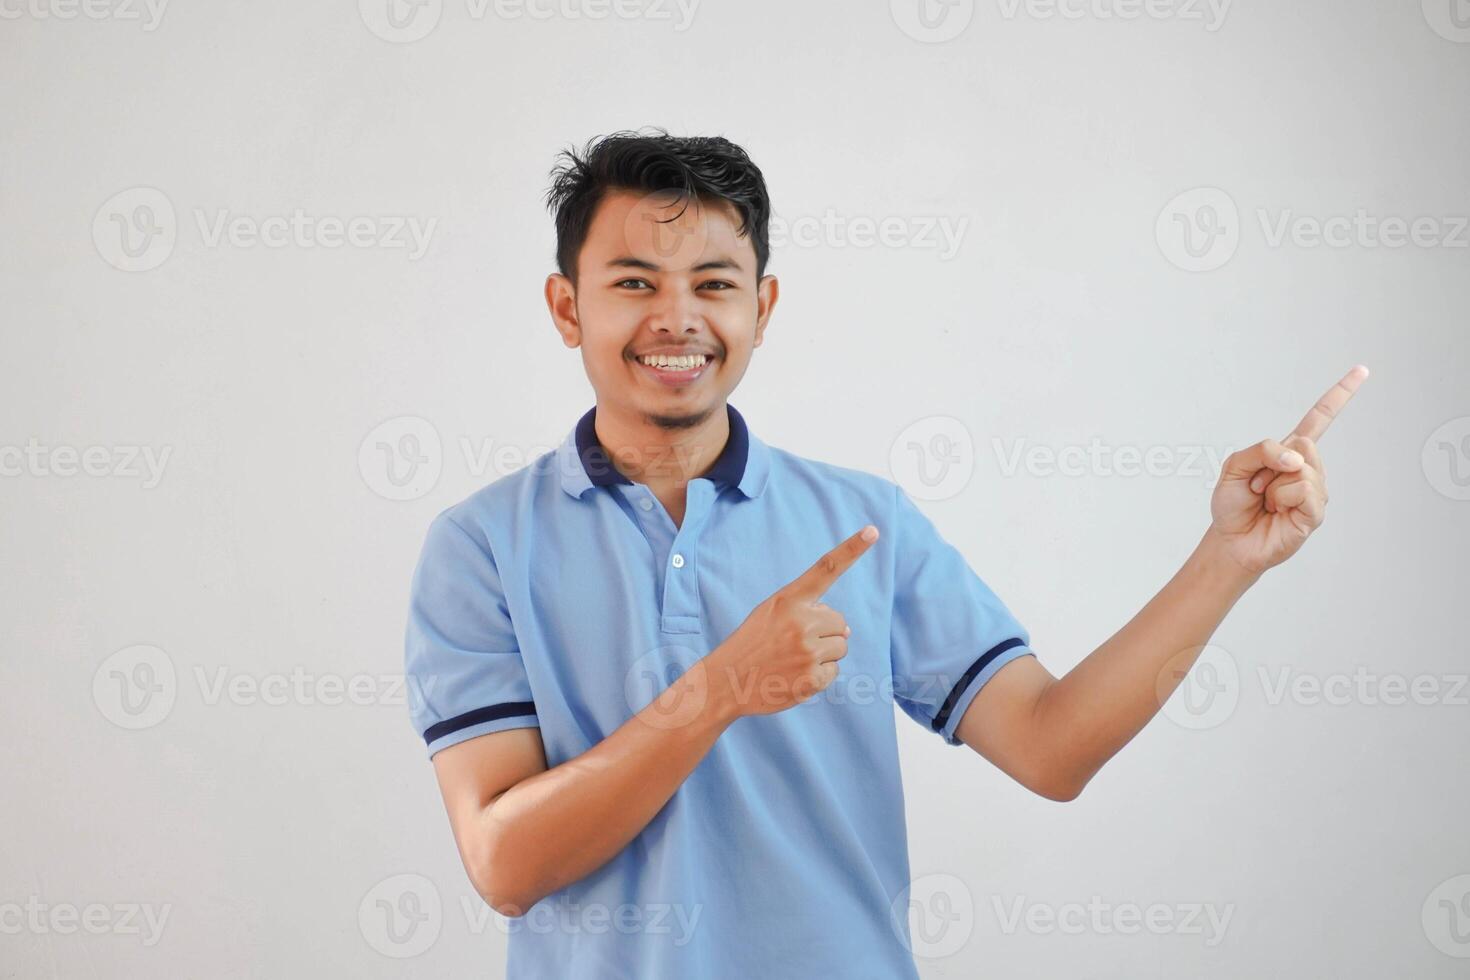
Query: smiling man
[[656, 669]]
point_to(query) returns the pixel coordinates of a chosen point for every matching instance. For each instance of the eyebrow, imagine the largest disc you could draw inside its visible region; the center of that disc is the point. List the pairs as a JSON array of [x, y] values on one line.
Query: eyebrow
[[629, 262]]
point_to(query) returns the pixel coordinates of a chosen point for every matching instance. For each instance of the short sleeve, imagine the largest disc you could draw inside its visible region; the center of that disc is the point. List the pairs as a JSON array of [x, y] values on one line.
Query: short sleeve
[[950, 633], [463, 666]]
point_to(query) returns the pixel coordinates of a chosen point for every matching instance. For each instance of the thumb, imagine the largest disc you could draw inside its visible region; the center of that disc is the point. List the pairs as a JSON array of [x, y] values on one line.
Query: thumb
[[1267, 454]]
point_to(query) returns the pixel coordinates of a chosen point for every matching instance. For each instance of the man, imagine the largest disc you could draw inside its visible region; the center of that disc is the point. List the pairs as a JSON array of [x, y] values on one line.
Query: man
[[657, 698]]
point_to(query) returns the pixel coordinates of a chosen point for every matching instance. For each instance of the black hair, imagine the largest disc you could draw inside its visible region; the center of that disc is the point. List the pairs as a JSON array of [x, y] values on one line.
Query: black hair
[[704, 168]]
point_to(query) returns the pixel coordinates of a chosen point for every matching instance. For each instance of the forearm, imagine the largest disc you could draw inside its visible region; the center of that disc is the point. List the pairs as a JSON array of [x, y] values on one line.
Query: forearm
[[1096, 708], [560, 825]]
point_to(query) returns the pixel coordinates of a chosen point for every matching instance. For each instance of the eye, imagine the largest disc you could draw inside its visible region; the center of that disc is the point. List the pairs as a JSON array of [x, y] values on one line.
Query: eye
[[624, 282], [719, 282]]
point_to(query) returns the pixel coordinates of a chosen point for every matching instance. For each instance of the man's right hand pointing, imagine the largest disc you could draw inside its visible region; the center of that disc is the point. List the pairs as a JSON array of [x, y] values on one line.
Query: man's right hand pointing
[[787, 649]]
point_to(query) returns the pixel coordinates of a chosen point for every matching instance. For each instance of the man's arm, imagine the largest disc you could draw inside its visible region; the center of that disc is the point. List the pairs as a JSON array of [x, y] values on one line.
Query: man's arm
[[525, 831], [1054, 735], [1051, 735]]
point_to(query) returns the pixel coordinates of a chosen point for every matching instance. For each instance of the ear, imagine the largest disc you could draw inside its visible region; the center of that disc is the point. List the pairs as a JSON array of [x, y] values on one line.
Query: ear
[[561, 300], [767, 292]]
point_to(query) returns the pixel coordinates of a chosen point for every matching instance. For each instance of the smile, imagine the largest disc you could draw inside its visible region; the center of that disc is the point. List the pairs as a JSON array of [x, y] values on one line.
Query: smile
[[675, 371]]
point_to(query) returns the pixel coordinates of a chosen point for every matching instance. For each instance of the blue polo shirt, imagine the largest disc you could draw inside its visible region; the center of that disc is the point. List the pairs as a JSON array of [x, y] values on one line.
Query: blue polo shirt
[[563, 597]]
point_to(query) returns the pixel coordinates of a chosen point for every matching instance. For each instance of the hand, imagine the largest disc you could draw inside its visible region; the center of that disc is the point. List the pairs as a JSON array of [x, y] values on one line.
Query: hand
[[1273, 495], [787, 649]]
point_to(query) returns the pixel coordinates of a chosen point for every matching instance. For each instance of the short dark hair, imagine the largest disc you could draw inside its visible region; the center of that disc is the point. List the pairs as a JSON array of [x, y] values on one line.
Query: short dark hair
[[704, 168]]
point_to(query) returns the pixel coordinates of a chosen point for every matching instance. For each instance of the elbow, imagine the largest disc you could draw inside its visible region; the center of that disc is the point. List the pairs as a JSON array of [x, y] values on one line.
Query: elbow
[[1058, 784], [505, 897], [507, 902], [500, 882], [1059, 792]]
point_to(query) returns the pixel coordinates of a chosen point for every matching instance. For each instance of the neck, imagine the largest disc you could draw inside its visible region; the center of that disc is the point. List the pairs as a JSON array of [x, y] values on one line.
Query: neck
[[663, 450]]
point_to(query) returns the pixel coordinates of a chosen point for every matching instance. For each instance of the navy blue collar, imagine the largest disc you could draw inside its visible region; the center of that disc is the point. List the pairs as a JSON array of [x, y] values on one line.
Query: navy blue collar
[[728, 469]]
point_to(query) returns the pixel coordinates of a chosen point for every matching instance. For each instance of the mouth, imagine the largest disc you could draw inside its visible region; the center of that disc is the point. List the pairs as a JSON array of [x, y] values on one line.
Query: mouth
[[676, 372]]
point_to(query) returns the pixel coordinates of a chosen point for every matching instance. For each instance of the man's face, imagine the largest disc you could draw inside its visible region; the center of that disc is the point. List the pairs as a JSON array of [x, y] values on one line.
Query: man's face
[[649, 285]]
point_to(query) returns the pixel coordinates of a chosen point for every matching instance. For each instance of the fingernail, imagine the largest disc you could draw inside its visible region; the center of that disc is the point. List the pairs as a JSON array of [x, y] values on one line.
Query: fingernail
[[1257, 483], [1291, 458], [870, 533], [847, 631]]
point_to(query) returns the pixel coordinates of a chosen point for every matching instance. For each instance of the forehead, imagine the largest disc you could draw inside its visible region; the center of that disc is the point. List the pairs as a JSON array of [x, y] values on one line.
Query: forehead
[[643, 225]]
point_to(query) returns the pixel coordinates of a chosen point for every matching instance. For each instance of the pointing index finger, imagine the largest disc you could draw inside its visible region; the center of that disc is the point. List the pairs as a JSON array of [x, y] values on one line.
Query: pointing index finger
[[1320, 416], [815, 581]]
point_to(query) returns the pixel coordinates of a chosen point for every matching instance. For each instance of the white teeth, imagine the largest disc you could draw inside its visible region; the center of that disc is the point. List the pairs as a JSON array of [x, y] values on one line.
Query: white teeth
[[674, 363]]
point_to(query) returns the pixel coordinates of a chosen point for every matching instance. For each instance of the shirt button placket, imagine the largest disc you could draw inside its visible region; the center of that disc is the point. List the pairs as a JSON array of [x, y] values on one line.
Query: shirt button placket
[[681, 586]]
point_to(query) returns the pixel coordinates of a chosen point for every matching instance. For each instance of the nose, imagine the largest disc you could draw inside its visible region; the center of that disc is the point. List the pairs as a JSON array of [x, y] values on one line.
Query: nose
[[675, 312]]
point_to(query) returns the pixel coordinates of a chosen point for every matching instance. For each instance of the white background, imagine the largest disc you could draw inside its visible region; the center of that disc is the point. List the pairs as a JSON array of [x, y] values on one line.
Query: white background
[[1331, 833]]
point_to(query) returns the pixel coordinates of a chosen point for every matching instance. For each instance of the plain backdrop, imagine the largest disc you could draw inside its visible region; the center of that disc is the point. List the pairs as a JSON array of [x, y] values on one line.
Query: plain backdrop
[[203, 716]]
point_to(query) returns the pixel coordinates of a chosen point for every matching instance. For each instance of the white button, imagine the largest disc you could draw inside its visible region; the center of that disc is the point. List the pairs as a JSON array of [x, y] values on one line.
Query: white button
[[646, 504], [678, 561]]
